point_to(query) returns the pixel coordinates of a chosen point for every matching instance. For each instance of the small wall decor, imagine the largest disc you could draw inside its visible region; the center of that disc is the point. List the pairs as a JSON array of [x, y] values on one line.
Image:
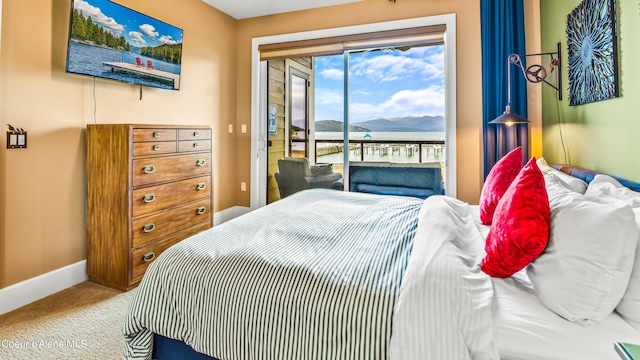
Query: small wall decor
[[273, 119], [592, 47]]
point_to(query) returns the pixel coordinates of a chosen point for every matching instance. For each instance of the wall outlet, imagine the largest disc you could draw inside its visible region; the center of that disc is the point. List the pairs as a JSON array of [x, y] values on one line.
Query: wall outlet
[[230, 128], [244, 128], [243, 186]]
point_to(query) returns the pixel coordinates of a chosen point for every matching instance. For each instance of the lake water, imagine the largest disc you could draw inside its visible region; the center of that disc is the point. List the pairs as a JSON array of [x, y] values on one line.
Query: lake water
[[88, 59]]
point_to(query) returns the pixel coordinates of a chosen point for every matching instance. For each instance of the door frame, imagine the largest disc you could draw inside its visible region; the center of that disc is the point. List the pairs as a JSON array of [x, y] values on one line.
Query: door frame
[[259, 98], [294, 68]]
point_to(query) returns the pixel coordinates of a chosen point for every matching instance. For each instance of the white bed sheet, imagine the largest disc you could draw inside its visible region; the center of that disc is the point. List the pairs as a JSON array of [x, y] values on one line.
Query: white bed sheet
[[525, 329]]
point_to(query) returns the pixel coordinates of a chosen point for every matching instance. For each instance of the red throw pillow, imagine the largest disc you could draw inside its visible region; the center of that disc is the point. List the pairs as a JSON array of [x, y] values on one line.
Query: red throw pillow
[[520, 228], [497, 182]]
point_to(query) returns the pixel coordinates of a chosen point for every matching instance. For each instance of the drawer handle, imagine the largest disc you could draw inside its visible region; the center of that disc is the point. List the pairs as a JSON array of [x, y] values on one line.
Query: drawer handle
[[148, 198], [201, 186], [202, 210], [149, 169], [196, 133], [149, 227], [201, 162], [148, 257], [196, 145], [156, 147], [156, 134]]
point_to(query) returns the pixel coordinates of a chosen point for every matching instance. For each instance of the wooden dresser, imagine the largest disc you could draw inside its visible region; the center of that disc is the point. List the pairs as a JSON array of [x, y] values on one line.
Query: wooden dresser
[[148, 187]]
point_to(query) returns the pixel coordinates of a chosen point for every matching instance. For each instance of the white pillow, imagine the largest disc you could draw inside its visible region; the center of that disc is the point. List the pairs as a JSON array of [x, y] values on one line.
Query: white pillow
[[574, 184], [585, 269], [555, 186], [605, 189]]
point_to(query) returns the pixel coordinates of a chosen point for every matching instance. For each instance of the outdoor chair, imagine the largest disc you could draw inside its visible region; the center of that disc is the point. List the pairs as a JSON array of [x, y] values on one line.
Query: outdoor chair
[[295, 174]]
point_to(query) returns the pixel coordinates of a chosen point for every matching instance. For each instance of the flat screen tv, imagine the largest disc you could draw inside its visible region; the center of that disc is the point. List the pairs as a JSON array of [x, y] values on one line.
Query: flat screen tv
[[110, 41]]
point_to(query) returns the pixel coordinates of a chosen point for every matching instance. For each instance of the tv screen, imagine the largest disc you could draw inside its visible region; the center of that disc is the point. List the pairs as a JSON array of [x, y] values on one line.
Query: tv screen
[[111, 41]]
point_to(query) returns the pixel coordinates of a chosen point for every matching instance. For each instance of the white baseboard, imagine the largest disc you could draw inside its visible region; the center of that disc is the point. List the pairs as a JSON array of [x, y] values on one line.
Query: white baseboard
[[28, 291], [39, 287], [230, 213]]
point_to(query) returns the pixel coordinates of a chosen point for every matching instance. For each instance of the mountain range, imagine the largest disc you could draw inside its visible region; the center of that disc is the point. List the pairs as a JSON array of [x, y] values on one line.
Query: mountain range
[[396, 124], [337, 126]]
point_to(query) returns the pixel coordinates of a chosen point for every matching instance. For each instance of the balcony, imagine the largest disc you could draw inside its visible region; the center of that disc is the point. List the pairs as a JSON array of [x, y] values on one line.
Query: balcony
[[393, 151]]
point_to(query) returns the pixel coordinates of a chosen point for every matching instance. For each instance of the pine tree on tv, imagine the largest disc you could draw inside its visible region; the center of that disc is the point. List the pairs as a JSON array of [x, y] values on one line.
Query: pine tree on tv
[[168, 53], [77, 26], [85, 29], [89, 28]]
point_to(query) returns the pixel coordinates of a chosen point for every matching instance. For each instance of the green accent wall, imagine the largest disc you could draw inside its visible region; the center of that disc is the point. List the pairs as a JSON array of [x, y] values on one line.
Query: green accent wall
[[604, 135]]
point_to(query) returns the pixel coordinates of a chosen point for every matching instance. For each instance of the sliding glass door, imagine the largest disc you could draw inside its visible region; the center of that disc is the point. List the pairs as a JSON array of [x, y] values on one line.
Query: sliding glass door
[[395, 107], [333, 143], [361, 99]]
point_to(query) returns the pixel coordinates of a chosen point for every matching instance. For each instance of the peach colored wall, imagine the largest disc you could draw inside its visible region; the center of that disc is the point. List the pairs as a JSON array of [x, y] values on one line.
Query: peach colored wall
[[42, 188], [469, 83], [534, 91]]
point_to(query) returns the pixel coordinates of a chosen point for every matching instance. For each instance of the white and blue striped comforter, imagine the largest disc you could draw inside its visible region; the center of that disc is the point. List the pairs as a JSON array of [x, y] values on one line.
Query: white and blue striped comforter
[[317, 275]]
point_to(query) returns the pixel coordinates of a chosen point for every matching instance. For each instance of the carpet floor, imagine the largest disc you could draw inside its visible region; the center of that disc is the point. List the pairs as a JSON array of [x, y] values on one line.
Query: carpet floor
[[82, 322]]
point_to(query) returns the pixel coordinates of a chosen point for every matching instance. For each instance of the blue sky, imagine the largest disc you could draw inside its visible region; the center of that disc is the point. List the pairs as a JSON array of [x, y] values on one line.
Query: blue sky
[[139, 30], [382, 84]]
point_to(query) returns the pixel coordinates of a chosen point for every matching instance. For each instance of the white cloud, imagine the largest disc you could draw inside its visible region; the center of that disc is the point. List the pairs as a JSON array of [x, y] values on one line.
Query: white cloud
[[96, 15], [435, 66], [395, 84], [382, 67], [423, 99], [429, 101], [329, 104], [149, 30], [332, 74], [387, 67], [167, 40], [324, 97], [136, 38], [360, 92]]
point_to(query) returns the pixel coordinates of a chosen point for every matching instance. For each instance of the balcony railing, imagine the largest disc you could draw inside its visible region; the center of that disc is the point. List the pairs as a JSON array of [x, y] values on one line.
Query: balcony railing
[[405, 151]]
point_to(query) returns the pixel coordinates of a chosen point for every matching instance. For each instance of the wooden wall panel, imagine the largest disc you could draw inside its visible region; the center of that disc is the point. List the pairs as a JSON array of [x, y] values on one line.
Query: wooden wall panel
[[277, 91]]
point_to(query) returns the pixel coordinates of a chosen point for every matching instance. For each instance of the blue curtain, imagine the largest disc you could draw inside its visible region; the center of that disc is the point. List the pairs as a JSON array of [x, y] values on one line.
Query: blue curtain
[[502, 33]]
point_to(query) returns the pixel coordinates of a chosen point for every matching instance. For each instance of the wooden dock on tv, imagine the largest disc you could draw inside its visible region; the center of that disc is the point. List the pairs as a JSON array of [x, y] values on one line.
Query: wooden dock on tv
[[140, 70]]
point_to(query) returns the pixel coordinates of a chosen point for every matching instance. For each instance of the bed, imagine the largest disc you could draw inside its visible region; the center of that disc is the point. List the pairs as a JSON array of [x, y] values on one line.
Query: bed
[[324, 274]]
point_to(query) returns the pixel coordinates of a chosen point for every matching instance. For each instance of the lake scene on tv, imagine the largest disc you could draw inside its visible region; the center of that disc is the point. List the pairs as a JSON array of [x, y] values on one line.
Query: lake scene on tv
[[111, 41]]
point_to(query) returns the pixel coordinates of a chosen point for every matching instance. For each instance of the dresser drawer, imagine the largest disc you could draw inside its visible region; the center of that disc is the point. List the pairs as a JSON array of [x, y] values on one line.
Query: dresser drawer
[[153, 227], [150, 199], [146, 135], [194, 134], [162, 169], [194, 145], [154, 148], [144, 256]]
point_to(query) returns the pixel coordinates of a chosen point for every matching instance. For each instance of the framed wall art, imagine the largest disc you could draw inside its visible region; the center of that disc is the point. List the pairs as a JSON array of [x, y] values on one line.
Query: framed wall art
[[592, 51]]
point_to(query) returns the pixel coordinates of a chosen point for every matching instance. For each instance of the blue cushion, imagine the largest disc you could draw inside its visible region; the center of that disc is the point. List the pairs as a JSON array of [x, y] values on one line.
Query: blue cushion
[[415, 181], [411, 177], [394, 190]]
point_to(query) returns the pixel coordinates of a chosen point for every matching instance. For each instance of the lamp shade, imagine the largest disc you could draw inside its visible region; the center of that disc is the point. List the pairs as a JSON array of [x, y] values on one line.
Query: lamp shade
[[508, 118]]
